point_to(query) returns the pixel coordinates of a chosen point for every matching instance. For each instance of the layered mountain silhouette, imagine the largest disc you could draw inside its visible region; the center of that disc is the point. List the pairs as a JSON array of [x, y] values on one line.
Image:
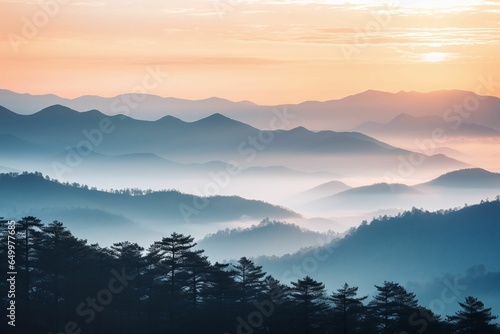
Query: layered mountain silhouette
[[151, 107], [11, 145], [369, 198], [32, 194], [215, 132], [338, 114], [323, 190], [472, 178], [405, 125], [268, 237], [231, 160], [473, 183], [417, 247], [58, 129]]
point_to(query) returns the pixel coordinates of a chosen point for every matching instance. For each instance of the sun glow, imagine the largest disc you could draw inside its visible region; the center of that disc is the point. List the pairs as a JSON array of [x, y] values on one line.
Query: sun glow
[[435, 57], [441, 4], [424, 4], [297, 49]]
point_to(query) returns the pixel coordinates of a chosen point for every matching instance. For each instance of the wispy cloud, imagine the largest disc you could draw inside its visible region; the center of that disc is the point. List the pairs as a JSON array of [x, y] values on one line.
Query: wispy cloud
[[88, 3], [190, 11], [288, 46]]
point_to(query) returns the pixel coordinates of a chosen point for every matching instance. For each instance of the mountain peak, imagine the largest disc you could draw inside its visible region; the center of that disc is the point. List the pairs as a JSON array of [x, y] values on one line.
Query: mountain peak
[[214, 99], [300, 129], [381, 188], [250, 103], [216, 118], [5, 111], [170, 119], [467, 172], [57, 110], [93, 112], [403, 117], [467, 178], [220, 122]]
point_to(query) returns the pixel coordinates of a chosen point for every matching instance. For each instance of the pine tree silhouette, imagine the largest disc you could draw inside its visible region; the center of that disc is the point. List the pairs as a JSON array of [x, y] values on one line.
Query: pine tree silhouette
[[474, 318]]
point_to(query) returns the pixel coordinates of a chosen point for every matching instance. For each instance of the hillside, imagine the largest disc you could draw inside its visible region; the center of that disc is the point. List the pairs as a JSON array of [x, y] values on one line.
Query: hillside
[[81, 207], [371, 197], [417, 247], [268, 237], [323, 190], [339, 114], [472, 178], [215, 137], [405, 125]]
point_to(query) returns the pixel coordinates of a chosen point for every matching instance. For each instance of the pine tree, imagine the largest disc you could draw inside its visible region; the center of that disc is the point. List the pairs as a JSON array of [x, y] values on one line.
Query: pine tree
[[348, 306], [221, 286], [392, 307], [219, 295], [249, 279], [152, 293], [128, 258], [474, 318], [276, 304], [311, 299], [175, 249], [197, 268], [52, 255]]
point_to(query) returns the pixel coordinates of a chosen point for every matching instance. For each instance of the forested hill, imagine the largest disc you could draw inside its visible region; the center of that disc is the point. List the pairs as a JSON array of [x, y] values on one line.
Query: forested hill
[[451, 240], [66, 285], [417, 248], [31, 193]]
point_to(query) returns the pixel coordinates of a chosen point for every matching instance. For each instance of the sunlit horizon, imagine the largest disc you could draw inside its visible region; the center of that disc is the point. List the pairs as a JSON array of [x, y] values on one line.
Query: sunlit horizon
[[267, 52]]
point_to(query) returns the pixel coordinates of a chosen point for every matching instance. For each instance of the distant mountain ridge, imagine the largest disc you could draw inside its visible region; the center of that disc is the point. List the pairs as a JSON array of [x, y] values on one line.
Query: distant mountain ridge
[[364, 248], [29, 193], [268, 237], [324, 190], [475, 178], [369, 198], [379, 189], [385, 195], [215, 137], [417, 247], [423, 127], [340, 114]]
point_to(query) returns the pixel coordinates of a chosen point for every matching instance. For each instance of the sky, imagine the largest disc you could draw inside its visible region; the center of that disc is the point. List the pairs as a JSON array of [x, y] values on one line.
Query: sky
[[265, 51]]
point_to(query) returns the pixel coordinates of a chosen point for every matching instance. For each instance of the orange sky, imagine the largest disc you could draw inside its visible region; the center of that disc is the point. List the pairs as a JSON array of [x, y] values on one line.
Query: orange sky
[[269, 51]]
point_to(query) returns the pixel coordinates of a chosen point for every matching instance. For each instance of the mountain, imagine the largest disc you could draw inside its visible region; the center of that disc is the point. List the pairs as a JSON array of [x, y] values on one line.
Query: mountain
[[11, 145], [152, 171], [268, 237], [161, 211], [369, 198], [151, 107], [417, 247], [350, 111], [441, 192], [472, 178], [26, 104], [323, 190], [169, 133], [338, 114], [6, 113], [58, 129], [377, 189], [413, 127]]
